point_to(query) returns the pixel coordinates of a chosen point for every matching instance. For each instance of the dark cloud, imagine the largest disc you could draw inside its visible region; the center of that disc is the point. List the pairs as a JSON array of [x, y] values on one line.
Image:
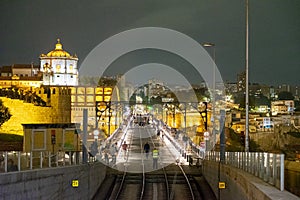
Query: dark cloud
[[29, 28]]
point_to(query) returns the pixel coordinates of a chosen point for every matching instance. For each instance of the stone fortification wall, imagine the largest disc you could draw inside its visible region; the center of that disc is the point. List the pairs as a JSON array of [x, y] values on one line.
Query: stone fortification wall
[[59, 111]]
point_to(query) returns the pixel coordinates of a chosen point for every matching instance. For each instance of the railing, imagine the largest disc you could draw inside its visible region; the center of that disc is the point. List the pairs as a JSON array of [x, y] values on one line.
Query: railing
[[19, 161], [267, 166]]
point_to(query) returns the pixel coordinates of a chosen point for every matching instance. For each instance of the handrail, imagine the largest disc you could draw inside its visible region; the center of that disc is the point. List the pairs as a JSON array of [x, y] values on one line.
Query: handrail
[[260, 164], [20, 161]]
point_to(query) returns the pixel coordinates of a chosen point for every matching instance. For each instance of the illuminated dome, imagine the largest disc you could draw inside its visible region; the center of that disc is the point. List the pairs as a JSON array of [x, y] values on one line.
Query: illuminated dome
[[58, 52], [59, 67]]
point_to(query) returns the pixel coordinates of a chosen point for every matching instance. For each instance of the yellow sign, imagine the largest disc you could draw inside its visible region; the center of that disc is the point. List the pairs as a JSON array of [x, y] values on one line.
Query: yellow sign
[[222, 185], [75, 183]]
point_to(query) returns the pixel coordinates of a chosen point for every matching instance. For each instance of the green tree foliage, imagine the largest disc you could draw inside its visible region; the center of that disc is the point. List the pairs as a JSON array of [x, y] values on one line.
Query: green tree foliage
[[297, 105], [285, 96], [107, 82], [4, 113], [201, 92], [156, 100], [254, 100]]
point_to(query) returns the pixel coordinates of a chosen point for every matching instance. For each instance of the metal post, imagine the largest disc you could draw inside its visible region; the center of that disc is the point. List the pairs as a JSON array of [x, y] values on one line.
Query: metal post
[[64, 159], [31, 160], [222, 136], [247, 78], [267, 168], [84, 137], [96, 118], [5, 161], [274, 168], [185, 118], [49, 159], [41, 159], [19, 161], [56, 159], [281, 172]]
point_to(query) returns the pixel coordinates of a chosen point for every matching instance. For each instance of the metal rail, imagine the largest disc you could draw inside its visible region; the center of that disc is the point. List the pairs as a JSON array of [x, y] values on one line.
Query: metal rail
[[164, 171], [166, 183], [143, 167], [188, 182]]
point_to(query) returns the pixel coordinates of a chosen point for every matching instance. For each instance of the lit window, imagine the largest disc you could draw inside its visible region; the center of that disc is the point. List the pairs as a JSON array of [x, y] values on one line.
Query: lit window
[[57, 67], [71, 68]]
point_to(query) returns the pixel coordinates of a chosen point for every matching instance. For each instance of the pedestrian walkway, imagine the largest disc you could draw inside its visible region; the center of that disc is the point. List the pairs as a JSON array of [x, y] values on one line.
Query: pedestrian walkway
[[136, 137], [183, 147]]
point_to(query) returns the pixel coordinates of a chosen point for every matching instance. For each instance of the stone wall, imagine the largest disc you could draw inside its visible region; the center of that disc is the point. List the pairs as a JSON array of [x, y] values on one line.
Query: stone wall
[[53, 183], [25, 113]]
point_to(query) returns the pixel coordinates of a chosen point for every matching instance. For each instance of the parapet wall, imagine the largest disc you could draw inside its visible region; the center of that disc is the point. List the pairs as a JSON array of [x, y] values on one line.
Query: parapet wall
[[239, 184], [53, 183]]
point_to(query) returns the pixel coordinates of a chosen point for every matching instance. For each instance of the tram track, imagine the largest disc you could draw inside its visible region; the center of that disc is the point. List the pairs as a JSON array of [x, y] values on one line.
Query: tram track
[[169, 182]]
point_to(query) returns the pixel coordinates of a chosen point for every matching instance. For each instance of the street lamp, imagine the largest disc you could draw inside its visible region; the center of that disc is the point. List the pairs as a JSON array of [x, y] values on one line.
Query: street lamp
[[208, 45], [247, 78], [96, 134], [101, 107]]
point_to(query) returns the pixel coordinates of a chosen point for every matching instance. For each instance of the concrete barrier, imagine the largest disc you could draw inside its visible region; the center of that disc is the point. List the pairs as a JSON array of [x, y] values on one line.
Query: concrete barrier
[[239, 184], [53, 183]]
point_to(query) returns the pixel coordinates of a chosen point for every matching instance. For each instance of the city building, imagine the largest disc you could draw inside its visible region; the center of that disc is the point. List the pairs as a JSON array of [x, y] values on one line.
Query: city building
[[241, 82], [59, 68], [20, 76], [282, 107]]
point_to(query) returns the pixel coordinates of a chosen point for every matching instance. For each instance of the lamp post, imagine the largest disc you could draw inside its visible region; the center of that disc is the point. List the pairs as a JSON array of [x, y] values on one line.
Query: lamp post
[[247, 78], [109, 118], [206, 138], [208, 45], [96, 136]]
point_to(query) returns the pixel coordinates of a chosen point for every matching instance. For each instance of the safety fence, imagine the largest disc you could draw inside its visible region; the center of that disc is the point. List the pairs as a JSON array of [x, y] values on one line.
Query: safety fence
[[267, 166], [18, 161]]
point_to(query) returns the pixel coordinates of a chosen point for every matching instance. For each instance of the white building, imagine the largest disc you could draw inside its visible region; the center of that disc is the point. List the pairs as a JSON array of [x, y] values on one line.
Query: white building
[[59, 68], [282, 107]]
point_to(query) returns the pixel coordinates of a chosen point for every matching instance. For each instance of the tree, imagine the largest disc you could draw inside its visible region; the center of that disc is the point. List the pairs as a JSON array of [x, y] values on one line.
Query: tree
[[156, 100], [285, 96], [4, 113], [107, 81]]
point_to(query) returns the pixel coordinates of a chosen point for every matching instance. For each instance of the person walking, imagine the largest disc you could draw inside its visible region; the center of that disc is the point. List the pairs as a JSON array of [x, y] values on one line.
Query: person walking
[[147, 149], [113, 153], [124, 148], [155, 154]]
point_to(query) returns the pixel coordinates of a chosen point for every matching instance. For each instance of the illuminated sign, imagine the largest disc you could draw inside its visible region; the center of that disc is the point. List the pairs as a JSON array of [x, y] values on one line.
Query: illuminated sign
[[75, 183], [222, 185]]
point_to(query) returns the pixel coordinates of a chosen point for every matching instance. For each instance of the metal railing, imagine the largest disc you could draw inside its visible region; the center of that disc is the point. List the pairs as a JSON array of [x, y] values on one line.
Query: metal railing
[[267, 166], [19, 161]]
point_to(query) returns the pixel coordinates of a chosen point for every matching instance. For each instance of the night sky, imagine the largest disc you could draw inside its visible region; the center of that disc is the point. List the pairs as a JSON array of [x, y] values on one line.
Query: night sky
[[29, 28]]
